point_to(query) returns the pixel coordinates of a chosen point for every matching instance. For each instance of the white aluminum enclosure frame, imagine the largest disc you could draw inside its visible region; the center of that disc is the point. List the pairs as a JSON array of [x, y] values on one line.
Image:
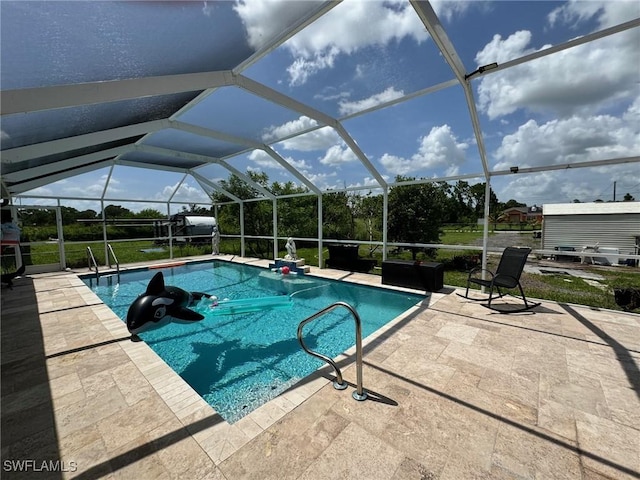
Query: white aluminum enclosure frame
[[17, 183]]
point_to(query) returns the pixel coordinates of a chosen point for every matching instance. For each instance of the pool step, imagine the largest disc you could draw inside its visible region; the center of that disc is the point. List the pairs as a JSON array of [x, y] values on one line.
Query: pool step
[[109, 277], [295, 266]]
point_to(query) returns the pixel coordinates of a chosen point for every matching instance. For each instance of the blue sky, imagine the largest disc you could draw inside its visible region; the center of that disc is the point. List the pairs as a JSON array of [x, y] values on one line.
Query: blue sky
[[579, 105]]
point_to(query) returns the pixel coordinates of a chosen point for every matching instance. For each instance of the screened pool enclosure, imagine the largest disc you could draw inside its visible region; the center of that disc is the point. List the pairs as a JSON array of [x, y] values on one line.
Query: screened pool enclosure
[[166, 105]]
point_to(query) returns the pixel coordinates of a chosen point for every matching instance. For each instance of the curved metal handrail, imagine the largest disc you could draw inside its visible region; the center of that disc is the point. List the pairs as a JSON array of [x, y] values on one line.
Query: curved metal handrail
[[92, 262], [339, 383], [115, 259]]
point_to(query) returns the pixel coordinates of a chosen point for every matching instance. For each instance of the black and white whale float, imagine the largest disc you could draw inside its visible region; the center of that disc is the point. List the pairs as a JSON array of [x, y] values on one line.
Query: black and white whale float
[[161, 304]]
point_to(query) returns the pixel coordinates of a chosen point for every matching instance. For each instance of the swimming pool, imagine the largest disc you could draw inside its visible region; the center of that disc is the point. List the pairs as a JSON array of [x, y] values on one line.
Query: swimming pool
[[239, 362]]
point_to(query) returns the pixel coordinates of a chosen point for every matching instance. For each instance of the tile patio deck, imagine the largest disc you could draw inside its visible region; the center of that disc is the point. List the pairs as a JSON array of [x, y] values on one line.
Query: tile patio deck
[[456, 392]]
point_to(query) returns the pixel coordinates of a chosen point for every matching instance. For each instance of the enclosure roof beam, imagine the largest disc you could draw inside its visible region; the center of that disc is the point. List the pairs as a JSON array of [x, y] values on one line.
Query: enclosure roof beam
[[567, 166], [289, 32], [168, 152], [207, 132], [150, 166], [274, 96], [451, 178], [214, 186], [438, 34], [410, 96], [175, 190], [351, 143], [205, 159], [22, 187], [266, 49], [564, 46], [290, 168], [62, 96], [288, 102], [247, 179], [187, 156], [67, 165], [53, 147]]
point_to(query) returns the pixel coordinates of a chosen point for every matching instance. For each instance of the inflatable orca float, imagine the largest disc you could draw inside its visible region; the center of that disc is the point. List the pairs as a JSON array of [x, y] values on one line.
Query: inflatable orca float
[[161, 304], [8, 277]]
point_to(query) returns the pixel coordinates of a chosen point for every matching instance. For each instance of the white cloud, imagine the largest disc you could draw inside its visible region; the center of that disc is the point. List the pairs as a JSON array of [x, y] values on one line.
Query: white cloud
[[321, 139], [338, 155], [533, 189], [275, 132], [632, 115], [45, 191], [331, 94], [207, 9], [389, 94], [266, 19], [585, 185], [575, 139], [446, 9], [186, 193], [263, 159], [341, 32], [371, 182], [566, 141], [440, 148], [608, 13], [302, 68], [324, 180], [337, 32], [584, 79], [342, 28], [301, 165], [87, 186], [319, 179]]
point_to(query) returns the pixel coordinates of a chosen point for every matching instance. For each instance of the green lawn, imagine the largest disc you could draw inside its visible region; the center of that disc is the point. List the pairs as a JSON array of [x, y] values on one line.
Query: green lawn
[[456, 237], [126, 252]]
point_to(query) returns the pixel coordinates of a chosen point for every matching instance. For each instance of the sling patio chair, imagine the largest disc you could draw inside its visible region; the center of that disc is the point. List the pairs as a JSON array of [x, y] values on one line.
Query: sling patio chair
[[506, 276]]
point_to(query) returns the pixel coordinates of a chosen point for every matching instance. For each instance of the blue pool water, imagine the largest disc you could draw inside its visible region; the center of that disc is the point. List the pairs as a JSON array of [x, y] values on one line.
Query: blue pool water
[[239, 362]]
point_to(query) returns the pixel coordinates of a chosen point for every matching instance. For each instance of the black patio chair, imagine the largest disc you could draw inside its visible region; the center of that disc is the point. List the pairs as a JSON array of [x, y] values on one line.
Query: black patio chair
[[506, 276]]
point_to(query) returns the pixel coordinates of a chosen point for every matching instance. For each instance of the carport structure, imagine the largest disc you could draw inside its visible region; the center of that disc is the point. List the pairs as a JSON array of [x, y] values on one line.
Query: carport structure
[[187, 89]]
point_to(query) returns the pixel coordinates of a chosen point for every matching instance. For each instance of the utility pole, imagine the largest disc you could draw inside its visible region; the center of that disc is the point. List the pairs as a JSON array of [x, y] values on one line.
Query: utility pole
[[614, 190]]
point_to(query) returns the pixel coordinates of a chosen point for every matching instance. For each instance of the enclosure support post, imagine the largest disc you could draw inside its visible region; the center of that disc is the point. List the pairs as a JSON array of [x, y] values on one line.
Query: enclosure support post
[[275, 227], [104, 231], [485, 232], [61, 252], [169, 231], [242, 229], [385, 219], [104, 216], [320, 235]]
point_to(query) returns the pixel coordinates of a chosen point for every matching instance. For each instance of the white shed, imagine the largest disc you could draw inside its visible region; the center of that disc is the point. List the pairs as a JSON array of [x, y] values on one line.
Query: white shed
[[614, 225]]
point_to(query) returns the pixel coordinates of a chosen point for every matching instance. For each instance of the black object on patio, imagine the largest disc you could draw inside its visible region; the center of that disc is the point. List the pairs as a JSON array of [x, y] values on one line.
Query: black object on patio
[[427, 276], [507, 275], [345, 257]]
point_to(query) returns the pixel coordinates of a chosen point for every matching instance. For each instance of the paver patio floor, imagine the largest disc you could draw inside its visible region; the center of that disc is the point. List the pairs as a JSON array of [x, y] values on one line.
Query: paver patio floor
[[456, 391]]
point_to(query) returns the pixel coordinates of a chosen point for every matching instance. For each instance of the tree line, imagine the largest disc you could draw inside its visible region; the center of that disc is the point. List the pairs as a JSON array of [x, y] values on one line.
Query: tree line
[[416, 212]]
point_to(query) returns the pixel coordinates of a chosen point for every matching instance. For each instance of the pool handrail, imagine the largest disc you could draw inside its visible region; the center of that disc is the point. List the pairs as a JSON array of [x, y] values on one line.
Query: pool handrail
[[91, 260], [93, 264], [115, 259], [339, 384]]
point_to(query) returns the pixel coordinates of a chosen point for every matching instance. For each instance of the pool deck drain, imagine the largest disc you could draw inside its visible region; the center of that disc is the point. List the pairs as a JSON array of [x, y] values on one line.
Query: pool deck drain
[[456, 391]]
